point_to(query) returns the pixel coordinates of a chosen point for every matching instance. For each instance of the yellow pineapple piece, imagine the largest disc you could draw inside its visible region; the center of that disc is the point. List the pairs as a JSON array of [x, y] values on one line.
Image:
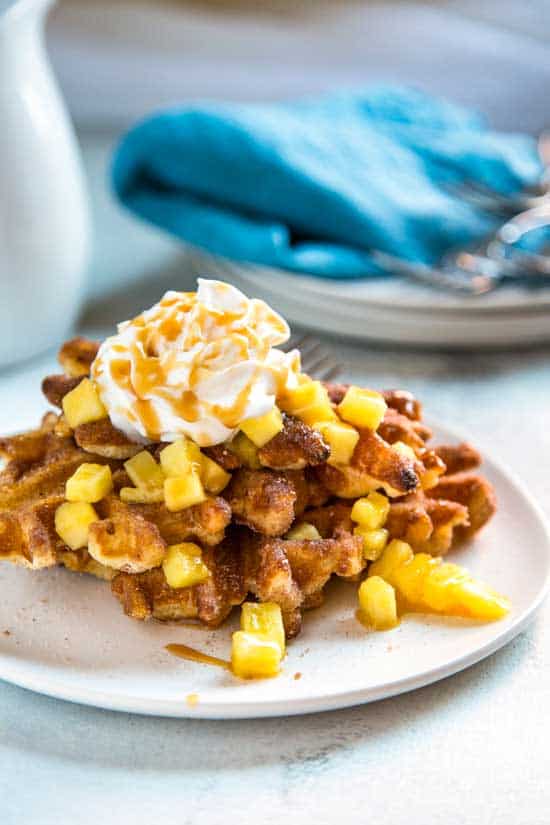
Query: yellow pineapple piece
[[183, 565], [180, 458], [374, 541], [246, 451], [409, 578], [83, 404], [309, 402], [148, 477], [263, 428], [142, 495], [183, 492], [304, 395], [397, 552], [475, 599], [264, 619], [362, 408], [427, 583], [404, 449], [322, 411], [377, 603], [451, 590], [72, 523], [144, 471], [341, 438], [254, 657], [214, 477], [437, 593], [303, 532], [372, 511], [90, 482]]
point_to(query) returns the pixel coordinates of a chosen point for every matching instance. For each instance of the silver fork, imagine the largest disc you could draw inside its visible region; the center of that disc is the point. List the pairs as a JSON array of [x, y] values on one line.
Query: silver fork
[[316, 360], [489, 200]]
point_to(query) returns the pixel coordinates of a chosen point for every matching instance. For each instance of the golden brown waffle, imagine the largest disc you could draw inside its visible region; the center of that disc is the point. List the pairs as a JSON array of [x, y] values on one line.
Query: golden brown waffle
[[437, 500], [291, 573], [297, 446]]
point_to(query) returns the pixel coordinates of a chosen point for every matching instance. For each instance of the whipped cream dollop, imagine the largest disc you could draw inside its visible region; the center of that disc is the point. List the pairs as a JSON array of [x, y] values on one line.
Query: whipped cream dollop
[[196, 364]]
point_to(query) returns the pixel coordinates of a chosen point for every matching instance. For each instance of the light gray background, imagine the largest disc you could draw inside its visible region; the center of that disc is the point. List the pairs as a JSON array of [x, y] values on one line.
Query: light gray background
[[472, 749]]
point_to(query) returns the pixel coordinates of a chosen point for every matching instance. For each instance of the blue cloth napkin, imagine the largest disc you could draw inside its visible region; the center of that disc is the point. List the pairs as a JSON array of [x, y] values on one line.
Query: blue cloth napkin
[[313, 185]]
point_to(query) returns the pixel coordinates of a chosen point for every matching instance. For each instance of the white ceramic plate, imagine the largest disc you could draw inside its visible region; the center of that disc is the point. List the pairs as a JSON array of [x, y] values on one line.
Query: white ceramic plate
[[390, 310], [67, 637]]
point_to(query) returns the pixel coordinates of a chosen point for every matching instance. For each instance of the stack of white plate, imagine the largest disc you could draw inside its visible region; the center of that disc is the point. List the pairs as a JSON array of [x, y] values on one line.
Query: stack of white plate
[[391, 310], [118, 61]]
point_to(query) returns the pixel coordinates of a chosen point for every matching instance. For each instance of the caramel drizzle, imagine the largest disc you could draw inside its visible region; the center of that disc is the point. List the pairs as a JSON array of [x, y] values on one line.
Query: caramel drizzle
[[190, 654]]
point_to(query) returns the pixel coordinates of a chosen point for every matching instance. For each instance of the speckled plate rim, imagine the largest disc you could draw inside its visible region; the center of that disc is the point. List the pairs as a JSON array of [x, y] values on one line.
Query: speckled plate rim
[[26, 675]]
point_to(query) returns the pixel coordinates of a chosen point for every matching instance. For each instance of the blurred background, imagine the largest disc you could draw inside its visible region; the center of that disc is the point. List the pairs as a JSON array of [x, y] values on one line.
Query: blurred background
[[118, 61]]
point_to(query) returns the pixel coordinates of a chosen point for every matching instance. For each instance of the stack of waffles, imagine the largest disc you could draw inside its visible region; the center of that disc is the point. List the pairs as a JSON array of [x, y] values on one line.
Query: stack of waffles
[[276, 530]]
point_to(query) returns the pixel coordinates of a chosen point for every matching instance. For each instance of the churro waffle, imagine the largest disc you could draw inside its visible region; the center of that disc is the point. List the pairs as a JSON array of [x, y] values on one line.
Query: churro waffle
[[272, 516], [128, 542]]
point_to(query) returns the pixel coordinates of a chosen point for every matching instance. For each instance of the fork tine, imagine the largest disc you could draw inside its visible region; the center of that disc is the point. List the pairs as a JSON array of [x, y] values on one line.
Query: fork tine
[[316, 361], [304, 343], [333, 373], [319, 366]]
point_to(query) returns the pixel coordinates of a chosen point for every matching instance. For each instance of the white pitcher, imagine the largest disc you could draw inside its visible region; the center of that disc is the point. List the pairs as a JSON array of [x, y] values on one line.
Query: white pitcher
[[44, 221]]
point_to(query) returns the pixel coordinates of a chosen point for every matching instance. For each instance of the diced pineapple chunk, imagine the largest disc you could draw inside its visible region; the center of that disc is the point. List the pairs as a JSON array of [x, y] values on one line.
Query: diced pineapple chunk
[[341, 438], [214, 477], [363, 408], [439, 578], [183, 492], [426, 583], [184, 456], [183, 565], [254, 657], [246, 451], [304, 531], [409, 578], [316, 412], [396, 553], [144, 471], [309, 402], [308, 392], [371, 512], [90, 482], [265, 619], [142, 495], [72, 523], [180, 457], [263, 428], [374, 541], [404, 449], [83, 404], [475, 599], [377, 603]]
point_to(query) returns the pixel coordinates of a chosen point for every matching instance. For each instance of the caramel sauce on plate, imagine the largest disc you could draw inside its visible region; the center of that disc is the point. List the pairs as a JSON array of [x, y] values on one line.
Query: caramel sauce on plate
[[193, 655]]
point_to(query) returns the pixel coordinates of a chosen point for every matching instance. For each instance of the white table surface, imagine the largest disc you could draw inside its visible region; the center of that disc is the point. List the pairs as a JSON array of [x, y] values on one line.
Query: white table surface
[[472, 749]]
